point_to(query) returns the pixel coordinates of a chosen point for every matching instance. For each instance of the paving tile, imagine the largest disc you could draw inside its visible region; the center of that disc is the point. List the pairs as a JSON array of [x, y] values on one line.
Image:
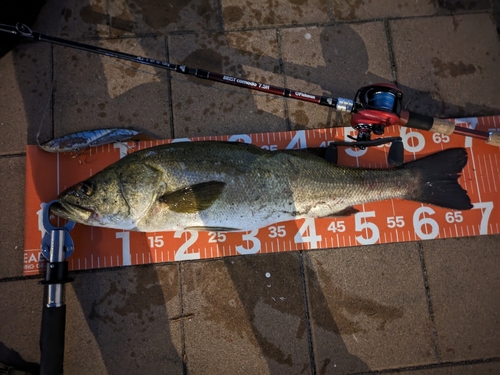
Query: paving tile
[[203, 107], [80, 19], [464, 282], [333, 61], [367, 9], [476, 368], [448, 66], [368, 308], [125, 320], [12, 170], [94, 91], [157, 16], [248, 316], [25, 76], [263, 13], [20, 314]]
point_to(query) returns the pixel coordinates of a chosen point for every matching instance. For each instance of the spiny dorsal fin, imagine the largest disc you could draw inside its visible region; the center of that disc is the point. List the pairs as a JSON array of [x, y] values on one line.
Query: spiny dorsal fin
[[194, 198], [345, 212]]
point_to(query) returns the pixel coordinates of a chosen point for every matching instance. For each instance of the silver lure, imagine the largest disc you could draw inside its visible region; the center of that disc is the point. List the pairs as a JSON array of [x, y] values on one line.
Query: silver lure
[[81, 140]]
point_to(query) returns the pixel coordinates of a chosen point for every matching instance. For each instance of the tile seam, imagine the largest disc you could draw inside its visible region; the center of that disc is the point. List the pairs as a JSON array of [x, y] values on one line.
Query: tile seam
[[169, 89], [12, 155], [392, 58], [288, 125], [220, 16], [332, 22], [183, 337], [310, 343], [430, 306], [431, 366]]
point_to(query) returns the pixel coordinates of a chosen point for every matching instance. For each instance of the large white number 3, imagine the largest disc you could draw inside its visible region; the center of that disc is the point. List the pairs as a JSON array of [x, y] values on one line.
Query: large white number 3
[[250, 236]]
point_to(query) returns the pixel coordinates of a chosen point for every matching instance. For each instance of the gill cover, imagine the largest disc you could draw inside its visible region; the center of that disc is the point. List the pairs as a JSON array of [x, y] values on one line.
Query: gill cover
[[138, 183]]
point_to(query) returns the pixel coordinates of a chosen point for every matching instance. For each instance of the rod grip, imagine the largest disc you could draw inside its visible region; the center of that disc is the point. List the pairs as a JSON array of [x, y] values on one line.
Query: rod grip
[[52, 340], [424, 122], [494, 139]]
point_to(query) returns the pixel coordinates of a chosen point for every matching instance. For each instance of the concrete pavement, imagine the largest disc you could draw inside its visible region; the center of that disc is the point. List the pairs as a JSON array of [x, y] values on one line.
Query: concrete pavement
[[428, 307]]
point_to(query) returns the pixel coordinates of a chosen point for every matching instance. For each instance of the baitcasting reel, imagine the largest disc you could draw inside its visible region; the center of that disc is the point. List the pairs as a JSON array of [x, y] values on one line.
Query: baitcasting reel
[[374, 108]]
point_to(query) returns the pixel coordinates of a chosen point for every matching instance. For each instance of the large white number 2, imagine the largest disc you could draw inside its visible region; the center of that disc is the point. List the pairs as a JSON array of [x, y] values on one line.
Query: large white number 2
[[181, 253]]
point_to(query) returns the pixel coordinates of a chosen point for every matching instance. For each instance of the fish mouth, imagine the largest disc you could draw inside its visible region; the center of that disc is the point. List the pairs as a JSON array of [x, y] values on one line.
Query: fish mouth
[[71, 211]]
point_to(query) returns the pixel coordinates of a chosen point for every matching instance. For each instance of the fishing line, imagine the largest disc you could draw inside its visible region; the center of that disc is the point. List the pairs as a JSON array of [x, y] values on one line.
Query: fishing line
[[51, 93]]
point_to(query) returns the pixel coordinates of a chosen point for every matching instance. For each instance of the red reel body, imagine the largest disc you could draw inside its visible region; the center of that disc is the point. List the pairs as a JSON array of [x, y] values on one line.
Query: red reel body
[[376, 106]]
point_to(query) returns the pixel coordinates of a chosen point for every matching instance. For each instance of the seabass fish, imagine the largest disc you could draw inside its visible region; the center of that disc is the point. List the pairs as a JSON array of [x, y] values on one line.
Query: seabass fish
[[234, 186]]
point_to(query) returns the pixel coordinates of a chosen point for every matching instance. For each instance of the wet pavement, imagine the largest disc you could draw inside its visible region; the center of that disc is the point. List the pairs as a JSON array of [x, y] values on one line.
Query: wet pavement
[[429, 307]]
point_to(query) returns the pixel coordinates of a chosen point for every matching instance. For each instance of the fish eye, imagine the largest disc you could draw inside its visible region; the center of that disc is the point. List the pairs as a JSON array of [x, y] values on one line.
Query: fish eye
[[86, 188]]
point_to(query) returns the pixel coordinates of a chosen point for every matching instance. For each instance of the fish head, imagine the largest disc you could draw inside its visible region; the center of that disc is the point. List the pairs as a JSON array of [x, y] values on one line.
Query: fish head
[[116, 197], [97, 201]]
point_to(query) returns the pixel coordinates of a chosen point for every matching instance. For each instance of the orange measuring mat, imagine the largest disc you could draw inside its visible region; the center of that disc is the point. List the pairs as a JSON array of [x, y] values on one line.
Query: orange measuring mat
[[380, 222]]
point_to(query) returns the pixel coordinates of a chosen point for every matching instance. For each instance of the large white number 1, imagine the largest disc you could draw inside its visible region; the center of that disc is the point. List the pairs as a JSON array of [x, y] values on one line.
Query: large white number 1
[[125, 237]]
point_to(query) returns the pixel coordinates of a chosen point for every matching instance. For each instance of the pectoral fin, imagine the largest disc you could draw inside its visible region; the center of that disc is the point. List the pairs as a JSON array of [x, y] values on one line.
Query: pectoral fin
[[194, 198]]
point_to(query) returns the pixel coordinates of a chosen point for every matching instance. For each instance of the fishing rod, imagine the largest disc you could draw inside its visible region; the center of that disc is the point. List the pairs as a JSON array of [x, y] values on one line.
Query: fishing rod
[[373, 109]]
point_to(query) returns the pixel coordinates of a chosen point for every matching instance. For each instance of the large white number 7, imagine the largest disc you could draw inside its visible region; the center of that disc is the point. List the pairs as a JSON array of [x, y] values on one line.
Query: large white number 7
[[488, 207]]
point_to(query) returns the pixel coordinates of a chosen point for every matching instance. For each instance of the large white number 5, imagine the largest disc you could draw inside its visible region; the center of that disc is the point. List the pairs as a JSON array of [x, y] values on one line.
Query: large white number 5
[[359, 225]]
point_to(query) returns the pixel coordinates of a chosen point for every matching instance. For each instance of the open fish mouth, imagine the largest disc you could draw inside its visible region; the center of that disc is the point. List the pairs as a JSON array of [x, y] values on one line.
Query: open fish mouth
[[70, 211]]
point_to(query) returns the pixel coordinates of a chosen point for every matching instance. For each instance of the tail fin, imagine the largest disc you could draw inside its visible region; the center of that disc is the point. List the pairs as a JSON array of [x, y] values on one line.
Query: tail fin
[[439, 179]]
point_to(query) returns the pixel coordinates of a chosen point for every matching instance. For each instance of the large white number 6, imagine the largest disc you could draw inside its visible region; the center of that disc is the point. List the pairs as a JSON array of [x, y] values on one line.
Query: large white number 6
[[418, 223]]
